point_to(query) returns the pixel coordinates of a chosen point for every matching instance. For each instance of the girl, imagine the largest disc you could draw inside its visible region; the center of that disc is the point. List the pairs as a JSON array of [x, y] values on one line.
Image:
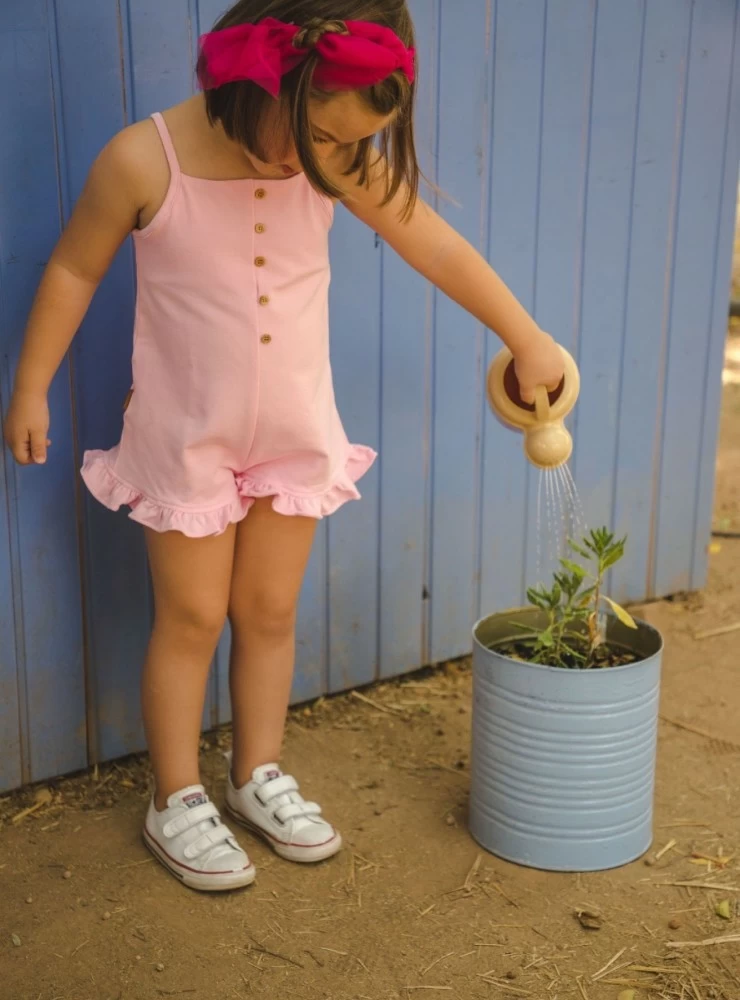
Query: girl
[[232, 447]]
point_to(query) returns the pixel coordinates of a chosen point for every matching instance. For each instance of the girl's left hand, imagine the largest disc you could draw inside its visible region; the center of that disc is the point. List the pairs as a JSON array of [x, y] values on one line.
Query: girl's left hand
[[539, 362]]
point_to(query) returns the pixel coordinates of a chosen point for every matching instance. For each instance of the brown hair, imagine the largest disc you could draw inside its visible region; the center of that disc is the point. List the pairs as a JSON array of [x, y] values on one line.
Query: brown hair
[[241, 107]]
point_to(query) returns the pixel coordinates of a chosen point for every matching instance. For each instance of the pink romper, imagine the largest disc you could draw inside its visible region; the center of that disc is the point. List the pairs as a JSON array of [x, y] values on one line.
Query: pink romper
[[233, 397]]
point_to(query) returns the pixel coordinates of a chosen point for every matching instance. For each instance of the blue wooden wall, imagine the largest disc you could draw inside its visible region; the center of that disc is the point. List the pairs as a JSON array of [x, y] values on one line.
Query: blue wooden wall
[[588, 147]]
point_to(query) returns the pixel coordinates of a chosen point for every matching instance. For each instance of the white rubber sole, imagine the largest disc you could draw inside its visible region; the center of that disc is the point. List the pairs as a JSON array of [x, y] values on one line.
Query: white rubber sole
[[222, 882], [288, 852]]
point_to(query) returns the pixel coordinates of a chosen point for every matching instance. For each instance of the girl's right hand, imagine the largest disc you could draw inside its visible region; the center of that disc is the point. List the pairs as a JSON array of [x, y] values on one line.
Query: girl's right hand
[[27, 428]]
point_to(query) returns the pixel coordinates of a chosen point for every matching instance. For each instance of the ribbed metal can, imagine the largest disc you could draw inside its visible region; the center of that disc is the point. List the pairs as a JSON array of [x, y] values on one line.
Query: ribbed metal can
[[563, 761]]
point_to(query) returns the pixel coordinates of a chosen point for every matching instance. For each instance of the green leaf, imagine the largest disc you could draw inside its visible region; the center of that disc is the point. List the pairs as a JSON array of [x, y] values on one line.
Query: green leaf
[[579, 549], [585, 596], [624, 616], [545, 639], [524, 628], [537, 598], [573, 568], [612, 555], [574, 653]]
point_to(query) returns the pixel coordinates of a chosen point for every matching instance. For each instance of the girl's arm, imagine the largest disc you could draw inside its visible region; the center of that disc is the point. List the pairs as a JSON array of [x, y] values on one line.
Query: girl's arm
[[437, 251], [105, 215]]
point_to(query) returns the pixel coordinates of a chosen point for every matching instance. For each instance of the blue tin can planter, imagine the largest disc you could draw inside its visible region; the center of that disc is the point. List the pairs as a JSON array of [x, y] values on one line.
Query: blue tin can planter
[[563, 761]]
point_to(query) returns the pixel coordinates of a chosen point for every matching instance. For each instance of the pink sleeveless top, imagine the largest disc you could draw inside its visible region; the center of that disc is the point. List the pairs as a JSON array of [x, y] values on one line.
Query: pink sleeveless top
[[233, 397]]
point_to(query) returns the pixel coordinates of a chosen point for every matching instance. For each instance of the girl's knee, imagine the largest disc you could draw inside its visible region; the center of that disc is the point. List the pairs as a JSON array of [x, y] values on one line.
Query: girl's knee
[[194, 623], [265, 613]]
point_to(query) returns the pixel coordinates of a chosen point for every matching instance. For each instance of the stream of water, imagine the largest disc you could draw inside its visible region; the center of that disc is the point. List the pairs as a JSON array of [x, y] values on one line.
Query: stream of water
[[560, 516]]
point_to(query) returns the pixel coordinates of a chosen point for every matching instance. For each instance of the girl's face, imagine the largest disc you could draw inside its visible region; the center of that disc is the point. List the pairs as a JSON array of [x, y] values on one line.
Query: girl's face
[[337, 123]]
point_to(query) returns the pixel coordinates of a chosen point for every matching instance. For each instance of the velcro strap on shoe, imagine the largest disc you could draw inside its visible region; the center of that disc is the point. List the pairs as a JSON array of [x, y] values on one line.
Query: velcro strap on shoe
[[278, 786], [296, 809], [187, 820], [212, 838]]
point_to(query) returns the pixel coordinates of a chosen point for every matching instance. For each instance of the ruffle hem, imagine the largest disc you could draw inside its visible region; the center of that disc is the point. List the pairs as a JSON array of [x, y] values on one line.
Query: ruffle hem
[[113, 493]]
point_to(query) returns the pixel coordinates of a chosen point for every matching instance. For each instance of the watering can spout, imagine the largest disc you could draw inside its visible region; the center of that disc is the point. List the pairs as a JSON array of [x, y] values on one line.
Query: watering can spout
[[547, 442]]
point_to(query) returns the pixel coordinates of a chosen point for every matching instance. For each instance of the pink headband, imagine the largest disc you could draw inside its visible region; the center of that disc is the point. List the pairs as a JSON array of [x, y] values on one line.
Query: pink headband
[[264, 53]]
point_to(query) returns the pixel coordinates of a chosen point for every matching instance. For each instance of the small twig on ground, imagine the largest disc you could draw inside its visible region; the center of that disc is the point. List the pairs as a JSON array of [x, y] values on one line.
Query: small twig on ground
[[664, 850], [19, 817], [500, 890], [256, 946], [655, 969], [703, 885], [727, 939], [376, 704], [609, 964], [635, 984], [582, 988], [79, 947], [683, 823], [700, 732], [713, 633], [470, 877], [515, 990], [695, 988], [436, 962], [409, 989], [720, 862]]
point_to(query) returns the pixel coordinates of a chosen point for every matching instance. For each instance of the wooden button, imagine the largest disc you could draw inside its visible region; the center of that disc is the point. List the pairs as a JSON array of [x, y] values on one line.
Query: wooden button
[[266, 338], [260, 228], [260, 193], [264, 300], [259, 261]]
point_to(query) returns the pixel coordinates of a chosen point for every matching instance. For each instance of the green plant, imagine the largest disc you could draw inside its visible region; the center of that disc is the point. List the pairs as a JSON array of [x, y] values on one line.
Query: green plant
[[575, 633]]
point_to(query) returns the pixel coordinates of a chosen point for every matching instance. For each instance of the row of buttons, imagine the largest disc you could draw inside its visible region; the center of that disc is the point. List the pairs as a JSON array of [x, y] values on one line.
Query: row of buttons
[[260, 229]]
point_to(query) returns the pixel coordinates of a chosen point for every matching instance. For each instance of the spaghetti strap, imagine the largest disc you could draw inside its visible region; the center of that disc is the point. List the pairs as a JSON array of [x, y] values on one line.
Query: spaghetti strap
[[164, 135]]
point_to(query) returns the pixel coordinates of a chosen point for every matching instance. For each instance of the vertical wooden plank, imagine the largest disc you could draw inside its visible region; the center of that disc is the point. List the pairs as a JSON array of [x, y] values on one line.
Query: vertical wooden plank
[[518, 46], [162, 39], [611, 165], [353, 556], [718, 322], [406, 314], [10, 704], [43, 521], [700, 199], [209, 11], [646, 315], [93, 52], [566, 99], [459, 338]]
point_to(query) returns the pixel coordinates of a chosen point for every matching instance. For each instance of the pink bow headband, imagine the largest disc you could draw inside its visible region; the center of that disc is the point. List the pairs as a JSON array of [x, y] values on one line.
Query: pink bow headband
[[264, 53]]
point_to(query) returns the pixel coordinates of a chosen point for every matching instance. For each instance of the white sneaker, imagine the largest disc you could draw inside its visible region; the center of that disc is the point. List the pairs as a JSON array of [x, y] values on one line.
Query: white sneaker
[[271, 806], [190, 840]]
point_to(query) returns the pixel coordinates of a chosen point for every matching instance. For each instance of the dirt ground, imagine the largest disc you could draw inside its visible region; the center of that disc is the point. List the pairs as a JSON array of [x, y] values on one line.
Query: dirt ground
[[412, 908]]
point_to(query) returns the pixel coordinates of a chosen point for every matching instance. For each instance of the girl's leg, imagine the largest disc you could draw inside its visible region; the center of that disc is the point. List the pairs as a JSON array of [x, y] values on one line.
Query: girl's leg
[[270, 561], [191, 580]]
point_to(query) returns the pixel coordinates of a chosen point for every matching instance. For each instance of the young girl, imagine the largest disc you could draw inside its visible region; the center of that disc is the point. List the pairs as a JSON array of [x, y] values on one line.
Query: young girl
[[232, 447]]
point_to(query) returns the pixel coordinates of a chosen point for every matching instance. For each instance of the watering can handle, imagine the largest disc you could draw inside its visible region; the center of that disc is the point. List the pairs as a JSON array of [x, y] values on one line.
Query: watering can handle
[[542, 404]]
